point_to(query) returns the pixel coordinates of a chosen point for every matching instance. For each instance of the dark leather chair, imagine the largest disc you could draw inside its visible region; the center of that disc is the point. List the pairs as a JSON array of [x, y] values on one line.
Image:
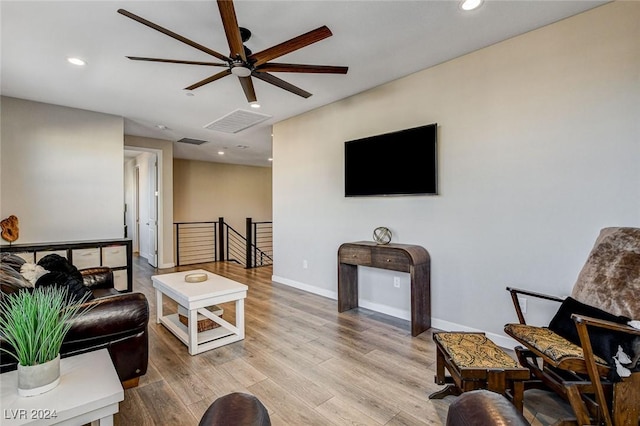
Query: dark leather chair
[[484, 408], [237, 409], [117, 322]]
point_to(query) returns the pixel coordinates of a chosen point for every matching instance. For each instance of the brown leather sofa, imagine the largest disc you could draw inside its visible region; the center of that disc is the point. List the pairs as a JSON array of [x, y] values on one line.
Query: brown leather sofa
[[117, 322], [484, 408]]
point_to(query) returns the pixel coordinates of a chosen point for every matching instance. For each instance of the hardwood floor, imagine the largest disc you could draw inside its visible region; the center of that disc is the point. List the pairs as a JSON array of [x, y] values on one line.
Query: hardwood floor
[[307, 363]]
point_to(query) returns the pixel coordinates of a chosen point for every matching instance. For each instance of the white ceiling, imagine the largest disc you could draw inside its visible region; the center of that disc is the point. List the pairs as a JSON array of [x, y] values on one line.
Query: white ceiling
[[379, 41]]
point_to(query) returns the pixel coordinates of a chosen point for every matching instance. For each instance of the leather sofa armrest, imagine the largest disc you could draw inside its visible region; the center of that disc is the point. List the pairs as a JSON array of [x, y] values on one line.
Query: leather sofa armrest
[[483, 408], [101, 277], [109, 318]]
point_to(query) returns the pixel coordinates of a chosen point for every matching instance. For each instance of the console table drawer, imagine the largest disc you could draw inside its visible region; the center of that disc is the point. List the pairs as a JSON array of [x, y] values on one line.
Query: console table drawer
[[355, 256], [388, 259]]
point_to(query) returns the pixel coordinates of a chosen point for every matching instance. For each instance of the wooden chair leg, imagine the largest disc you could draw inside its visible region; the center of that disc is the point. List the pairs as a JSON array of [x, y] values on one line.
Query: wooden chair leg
[[578, 405], [518, 394], [593, 372], [626, 401], [440, 362]]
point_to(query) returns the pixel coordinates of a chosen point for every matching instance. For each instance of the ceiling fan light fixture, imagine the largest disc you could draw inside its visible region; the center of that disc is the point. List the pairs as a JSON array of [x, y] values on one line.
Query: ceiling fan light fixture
[[240, 70], [470, 4]]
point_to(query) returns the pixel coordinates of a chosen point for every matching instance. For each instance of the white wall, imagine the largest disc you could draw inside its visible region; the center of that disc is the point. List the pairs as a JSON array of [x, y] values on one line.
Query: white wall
[[212, 190], [538, 149], [61, 172]]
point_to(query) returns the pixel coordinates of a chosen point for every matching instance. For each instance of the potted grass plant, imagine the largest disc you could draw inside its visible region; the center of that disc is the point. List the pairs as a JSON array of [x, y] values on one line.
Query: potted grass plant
[[35, 324]]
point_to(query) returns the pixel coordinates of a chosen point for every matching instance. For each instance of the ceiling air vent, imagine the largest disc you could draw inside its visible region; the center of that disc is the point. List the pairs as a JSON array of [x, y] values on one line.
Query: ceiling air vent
[[236, 121], [192, 141]]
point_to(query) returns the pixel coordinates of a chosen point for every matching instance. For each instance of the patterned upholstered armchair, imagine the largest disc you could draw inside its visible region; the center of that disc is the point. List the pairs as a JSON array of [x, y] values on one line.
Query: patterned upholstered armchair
[[577, 355]]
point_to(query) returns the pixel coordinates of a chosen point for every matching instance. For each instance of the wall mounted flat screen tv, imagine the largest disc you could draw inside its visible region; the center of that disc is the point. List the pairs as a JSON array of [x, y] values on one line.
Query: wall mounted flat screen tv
[[398, 163]]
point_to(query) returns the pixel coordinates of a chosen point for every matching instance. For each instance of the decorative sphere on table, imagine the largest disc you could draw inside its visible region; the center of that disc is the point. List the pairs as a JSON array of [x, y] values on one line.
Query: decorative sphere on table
[[382, 235]]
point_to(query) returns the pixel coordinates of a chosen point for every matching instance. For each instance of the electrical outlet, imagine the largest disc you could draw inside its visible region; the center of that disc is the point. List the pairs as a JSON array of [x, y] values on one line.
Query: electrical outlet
[[396, 282], [522, 301], [305, 264]]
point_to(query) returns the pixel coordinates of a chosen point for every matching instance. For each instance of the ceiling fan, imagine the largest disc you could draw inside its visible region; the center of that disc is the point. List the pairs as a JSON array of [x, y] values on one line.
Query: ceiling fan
[[241, 62]]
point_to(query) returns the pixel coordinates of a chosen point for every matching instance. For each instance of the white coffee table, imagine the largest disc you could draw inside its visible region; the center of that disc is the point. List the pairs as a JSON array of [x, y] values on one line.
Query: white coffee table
[[89, 392], [195, 297]]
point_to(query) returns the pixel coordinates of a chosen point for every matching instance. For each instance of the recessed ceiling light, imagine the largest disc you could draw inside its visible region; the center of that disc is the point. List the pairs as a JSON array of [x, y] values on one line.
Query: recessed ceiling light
[[270, 159], [470, 4], [162, 127], [77, 61], [254, 104], [220, 152]]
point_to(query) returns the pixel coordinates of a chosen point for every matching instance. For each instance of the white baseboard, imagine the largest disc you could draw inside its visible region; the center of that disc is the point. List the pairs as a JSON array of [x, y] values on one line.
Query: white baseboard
[[306, 287], [387, 310], [498, 339], [166, 265]]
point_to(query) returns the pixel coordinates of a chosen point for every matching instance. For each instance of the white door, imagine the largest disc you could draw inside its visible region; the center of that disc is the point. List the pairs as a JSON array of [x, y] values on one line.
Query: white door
[[153, 211], [136, 213]]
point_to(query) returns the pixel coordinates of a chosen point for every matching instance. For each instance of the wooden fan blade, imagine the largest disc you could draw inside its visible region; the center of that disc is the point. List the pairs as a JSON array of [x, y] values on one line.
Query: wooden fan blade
[[289, 46], [208, 80], [247, 86], [275, 67], [173, 35], [177, 61], [281, 83], [231, 29]]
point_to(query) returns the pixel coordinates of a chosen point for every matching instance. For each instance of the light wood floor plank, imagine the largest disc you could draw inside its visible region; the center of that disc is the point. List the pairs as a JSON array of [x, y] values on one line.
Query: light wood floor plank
[[294, 381], [366, 378], [292, 409], [164, 406], [243, 372], [343, 413]]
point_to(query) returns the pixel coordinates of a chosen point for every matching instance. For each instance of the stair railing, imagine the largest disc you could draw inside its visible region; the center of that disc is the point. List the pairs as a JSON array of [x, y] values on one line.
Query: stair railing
[[200, 242], [259, 243], [196, 242]]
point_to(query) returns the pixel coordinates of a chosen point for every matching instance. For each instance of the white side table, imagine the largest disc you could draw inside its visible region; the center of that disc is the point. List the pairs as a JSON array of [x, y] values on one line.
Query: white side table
[[89, 392], [195, 297]]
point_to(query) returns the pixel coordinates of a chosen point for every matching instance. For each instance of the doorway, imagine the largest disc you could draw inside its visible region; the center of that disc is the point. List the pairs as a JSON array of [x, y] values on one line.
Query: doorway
[[142, 192]]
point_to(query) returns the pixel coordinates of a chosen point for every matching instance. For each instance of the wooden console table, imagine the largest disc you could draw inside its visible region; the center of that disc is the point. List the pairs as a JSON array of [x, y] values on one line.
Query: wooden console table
[[396, 257]]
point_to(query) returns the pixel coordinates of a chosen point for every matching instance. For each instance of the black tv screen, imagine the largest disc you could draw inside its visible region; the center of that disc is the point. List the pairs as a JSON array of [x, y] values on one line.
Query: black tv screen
[[398, 163]]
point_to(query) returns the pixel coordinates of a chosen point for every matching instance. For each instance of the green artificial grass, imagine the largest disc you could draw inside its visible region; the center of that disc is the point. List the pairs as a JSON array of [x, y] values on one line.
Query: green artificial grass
[[35, 323]]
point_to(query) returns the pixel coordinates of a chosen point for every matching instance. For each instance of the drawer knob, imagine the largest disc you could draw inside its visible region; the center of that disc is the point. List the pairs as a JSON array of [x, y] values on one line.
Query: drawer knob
[[388, 260], [354, 255]]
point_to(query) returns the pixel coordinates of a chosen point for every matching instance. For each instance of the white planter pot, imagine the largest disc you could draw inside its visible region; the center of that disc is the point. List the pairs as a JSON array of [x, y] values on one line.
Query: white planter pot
[[37, 379]]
